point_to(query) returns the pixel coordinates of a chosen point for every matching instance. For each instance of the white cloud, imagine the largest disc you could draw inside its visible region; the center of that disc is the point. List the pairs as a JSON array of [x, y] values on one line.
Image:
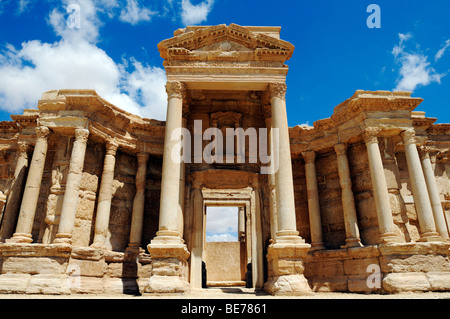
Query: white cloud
[[75, 62], [221, 223], [133, 13], [221, 238], [441, 52], [415, 70], [194, 14]]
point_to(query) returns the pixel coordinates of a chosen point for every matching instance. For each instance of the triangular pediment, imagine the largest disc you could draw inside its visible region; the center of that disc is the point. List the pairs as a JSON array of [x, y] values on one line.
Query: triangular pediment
[[194, 42]]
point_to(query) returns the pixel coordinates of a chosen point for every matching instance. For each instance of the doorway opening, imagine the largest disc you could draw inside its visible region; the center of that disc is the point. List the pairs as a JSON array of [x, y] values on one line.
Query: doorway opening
[[225, 250]]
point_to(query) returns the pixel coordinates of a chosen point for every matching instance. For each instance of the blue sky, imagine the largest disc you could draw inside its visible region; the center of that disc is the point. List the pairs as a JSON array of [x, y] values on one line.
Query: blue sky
[[114, 50]]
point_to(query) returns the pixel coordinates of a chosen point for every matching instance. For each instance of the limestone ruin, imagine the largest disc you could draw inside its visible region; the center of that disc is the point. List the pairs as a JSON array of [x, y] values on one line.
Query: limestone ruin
[[93, 202]]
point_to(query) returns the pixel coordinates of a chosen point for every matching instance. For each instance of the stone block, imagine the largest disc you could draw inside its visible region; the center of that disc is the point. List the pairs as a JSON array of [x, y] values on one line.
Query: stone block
[[33, 265], [121, 286], [89, 268], [404, 282], [359, 266], [439, 281], [122, 270], [329, 284], [87, 285], [49, 285], [14, 283]]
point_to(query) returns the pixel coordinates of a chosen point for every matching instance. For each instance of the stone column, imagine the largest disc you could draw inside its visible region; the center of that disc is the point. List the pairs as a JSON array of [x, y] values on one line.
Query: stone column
[[105, 196], [419, 188], [168, 251], [71, 194], [433, 192], [271, 184], [197, 238], [313, 201], [31, 193], [348, 201], [286, 252], [287, 227], [15, 193], [171, 170], [380, 190], [137, 217]]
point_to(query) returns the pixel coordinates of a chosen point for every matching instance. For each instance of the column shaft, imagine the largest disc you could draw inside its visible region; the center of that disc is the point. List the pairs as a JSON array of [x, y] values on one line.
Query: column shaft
[[313, 201], [271, 183], [15, 194], [71, 194], [137, 218], [31, 193], [287, 227], [105, 196], [380, 190], [419, 188], [170, 183], [433, 192], [348, 201]]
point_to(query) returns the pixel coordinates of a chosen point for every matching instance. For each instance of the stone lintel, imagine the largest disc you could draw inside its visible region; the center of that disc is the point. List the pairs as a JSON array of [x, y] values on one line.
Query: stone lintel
[[35, 250]]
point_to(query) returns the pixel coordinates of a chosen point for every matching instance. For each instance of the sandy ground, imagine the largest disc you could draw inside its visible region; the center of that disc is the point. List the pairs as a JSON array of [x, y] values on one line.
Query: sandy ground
[[236, 293]]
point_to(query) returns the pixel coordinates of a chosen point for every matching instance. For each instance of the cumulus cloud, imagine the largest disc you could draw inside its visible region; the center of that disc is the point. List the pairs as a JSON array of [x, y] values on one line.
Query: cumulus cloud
[[194, 14], [221, 223], [76, 62], [134, 13], [415, 69]]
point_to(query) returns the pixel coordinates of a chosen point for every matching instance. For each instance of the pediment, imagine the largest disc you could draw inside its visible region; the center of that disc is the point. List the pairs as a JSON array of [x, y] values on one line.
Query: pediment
[[223, 41]]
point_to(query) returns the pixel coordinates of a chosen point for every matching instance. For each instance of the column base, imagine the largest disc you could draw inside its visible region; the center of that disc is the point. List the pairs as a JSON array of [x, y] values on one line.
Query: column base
[[20, 238], [285, 269], [317, 246], [389, 237], [63, 239], [429, 237], [169, 267], [352, 242]]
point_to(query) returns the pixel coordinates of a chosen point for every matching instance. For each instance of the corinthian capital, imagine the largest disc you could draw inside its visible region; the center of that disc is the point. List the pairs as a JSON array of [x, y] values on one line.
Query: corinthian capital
[[175, 89], [370, 134], [277, 90], [42, 131], [409, 136], [309, 156], [81, 134]]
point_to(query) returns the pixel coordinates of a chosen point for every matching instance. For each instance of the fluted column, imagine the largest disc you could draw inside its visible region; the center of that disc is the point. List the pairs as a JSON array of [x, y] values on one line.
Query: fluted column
[[380, 190], [170, 183], [287, 228], [15, 193], [433, 192], [137, 217], [271, 184], [419, 188], [71, 194], [313, 201], [348, 201], [31, 193], [105, 196]]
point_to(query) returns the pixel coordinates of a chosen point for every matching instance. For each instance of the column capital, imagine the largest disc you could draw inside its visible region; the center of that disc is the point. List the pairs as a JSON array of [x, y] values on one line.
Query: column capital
[[175, 89], [341, 149], [81, 134], [309, 156], [23, 147], [424, 151], [42, 131], [111, 148], [370, 134], [142, 157], [409, 136], [277, 90]]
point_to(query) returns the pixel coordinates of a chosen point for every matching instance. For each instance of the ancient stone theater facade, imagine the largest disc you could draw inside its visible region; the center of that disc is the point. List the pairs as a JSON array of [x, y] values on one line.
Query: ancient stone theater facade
[[93, 200]]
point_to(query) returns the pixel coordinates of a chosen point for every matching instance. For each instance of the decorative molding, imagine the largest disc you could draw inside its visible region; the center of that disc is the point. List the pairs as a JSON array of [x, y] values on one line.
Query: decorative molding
[[277, 90], [175, 89]]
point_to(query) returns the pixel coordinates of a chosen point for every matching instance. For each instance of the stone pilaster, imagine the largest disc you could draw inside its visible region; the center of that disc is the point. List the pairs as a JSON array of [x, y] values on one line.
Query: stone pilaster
[[380, 190], [348, 201], [105, 196], [71, 194], [433, 192], [419, 188], [313, 201], [31, 193], [137, 217]]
